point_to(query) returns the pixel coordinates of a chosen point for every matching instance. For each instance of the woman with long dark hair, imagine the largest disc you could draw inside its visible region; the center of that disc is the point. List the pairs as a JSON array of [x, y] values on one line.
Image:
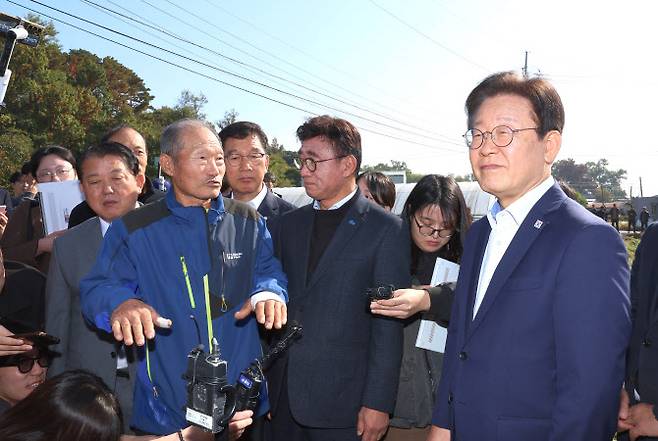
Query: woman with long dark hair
[[73, 406], [437, 218]]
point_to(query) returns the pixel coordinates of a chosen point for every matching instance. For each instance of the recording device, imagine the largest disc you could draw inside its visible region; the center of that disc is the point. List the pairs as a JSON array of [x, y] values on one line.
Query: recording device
[[210, 398], [250, 380], [15, 30], [383, 292]]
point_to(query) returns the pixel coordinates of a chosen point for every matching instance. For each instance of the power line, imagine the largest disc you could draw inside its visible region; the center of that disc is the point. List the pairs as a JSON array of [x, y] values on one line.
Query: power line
[[427, 37], [242, 77], [255, 68], [209, 77]]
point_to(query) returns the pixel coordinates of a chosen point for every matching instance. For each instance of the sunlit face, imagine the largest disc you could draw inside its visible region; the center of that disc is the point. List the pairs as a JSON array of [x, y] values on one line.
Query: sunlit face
[[52, 168], [135, 142], [510, 172], [17, 187], [330, 180], [197, 169], [110, 189], [246, 178], [15, 386], [29, 184], [430, 216]]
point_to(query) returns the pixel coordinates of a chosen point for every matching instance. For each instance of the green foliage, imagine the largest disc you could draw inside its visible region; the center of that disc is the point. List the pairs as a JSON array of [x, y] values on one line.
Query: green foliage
[[230, 116], [15, 149], [282, 165], [593, 180]]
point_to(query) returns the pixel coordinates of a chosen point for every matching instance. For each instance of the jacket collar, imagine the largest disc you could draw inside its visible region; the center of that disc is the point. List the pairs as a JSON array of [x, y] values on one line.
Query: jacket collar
[[215, 213]]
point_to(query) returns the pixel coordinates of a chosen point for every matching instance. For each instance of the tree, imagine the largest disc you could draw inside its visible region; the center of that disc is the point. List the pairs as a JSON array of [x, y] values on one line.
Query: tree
[[594, 180], [230, 116], [194, 102]]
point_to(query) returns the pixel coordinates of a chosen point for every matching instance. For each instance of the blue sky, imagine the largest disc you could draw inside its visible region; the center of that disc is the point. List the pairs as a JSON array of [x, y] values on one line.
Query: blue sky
[[408, 64]]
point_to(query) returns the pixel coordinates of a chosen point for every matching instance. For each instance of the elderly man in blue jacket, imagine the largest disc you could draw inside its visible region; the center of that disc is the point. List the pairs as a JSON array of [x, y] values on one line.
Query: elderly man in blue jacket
[[203, 262]]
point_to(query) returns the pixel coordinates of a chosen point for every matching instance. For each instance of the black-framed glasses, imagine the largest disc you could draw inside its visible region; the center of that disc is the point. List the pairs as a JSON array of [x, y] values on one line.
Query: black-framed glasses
[[501, 136], [428, 231], [253, 158], [61, 173], [25, 363], [312, 164]]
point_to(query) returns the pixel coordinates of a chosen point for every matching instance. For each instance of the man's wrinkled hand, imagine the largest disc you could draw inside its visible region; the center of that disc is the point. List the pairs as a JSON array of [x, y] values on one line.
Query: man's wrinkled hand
[[371, 424], [273, 314], [438, 434], [240, 421], [133, 321], [643, 421], [623, 417]]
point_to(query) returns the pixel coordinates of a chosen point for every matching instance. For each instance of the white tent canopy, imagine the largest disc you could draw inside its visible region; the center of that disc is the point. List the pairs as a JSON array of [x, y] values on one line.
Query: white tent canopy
[[476, 199]]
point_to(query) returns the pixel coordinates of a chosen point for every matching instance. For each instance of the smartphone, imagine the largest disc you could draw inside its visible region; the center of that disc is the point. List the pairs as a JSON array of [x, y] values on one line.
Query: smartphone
[[40, 338], [3, 209]]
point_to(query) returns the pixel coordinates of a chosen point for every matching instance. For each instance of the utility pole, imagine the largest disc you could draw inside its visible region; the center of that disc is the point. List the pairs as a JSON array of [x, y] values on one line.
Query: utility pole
[[525, 66], [641, 192]]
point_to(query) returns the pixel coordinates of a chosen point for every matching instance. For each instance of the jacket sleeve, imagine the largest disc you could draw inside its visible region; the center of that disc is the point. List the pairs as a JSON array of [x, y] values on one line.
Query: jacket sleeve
[[441, 298], [268, 274], [112, 280], [17, 244], [391, 266], [592, 329], [58, 310]]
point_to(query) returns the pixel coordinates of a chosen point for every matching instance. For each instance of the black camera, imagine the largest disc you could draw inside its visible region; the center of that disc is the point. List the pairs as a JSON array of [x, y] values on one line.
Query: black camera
[[210, 398], [383, 292], [250, 380]]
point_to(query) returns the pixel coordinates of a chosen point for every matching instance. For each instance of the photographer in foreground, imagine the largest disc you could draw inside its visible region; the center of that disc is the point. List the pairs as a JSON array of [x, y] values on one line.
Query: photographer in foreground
[[203, 262]]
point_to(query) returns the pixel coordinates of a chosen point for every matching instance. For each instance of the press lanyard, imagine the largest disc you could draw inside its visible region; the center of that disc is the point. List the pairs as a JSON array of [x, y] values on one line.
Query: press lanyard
[[206, 294]]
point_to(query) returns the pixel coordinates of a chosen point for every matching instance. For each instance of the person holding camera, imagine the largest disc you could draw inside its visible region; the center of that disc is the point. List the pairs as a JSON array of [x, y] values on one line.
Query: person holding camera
[[204, 262], [438, 219]]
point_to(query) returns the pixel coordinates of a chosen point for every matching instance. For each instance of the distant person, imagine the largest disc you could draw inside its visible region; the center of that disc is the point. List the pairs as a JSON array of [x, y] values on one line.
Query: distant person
[[16, 187], [24, 239], [246, 166], [614, 216], [540, 324], [269, 179], [644, 219], [109, 175], [377, 187], [632, 219], [6, 201], [438, 220], [132, 139]]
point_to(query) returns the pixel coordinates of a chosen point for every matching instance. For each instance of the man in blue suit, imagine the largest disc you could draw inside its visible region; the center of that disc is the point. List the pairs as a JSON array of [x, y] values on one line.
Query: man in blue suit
[[540, 323]]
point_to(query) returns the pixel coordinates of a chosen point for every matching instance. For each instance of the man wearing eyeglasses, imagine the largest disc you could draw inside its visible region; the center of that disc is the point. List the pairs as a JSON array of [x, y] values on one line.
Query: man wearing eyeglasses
[[246, 165], [339, 381], [540, 323]]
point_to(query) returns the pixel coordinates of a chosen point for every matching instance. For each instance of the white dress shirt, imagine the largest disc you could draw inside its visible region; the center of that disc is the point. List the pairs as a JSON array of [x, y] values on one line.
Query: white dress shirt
[[260, 197], [504, 225], [337, 205]]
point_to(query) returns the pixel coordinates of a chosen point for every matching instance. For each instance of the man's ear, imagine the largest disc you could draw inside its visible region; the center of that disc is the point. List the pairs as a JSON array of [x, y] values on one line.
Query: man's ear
[[349, 163], [141, 180], [552, 144], [167, 164]]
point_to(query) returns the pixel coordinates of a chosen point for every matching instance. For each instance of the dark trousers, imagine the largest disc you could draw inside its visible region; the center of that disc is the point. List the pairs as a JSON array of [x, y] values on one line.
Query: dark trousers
[[283, 426]]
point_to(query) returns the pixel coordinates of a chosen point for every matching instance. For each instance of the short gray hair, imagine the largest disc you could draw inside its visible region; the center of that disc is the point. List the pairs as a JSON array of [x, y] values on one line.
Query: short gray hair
[[170, 143]]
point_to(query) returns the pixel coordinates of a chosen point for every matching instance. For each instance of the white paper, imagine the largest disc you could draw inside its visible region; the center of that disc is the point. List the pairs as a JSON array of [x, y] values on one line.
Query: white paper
[[57, 201], [431, 336]]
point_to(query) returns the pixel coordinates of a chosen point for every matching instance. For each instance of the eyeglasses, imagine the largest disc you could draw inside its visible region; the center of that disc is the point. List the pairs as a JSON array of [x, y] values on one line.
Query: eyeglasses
[[234, 160], [25, 364], [501, 136], [428, 231], [61, 173], [312, 164]]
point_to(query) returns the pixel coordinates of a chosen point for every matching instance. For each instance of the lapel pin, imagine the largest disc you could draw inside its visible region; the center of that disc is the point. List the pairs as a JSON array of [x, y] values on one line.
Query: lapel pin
[[538, 224], [351, 222]]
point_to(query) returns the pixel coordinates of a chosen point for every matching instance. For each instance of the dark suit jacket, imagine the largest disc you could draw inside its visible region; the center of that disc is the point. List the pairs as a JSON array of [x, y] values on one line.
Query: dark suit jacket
[[21, 237], [346, 357], [272, 208], [81, 345], [544, 358], [22, 298], [642, 362]]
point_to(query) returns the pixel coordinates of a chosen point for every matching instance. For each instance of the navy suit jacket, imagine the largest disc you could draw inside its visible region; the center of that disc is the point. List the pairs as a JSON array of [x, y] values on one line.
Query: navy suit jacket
[[544, 357], [346, 357], [272, 208], [642, 363]]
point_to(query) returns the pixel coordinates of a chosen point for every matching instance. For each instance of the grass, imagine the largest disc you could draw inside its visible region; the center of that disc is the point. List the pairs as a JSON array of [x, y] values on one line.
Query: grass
[[631, 241]]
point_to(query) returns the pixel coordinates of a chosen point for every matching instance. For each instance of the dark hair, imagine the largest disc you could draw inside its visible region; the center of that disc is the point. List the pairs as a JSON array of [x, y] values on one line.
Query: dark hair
[[73, 406], [26, 169], [380, 186], [116, 129], [342, 135], [269, 177], [56, 150], [242, 130], [545, 101], [15, 177], [444, 192], [110, 149]]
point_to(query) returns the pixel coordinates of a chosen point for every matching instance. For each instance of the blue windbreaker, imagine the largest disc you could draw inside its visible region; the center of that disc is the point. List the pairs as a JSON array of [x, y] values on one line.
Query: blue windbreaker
[[142, 257]]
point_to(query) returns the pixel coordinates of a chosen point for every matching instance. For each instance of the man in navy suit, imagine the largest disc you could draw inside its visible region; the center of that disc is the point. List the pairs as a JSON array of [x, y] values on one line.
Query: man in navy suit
[[246, 164], [339, 380], [541, 322]]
